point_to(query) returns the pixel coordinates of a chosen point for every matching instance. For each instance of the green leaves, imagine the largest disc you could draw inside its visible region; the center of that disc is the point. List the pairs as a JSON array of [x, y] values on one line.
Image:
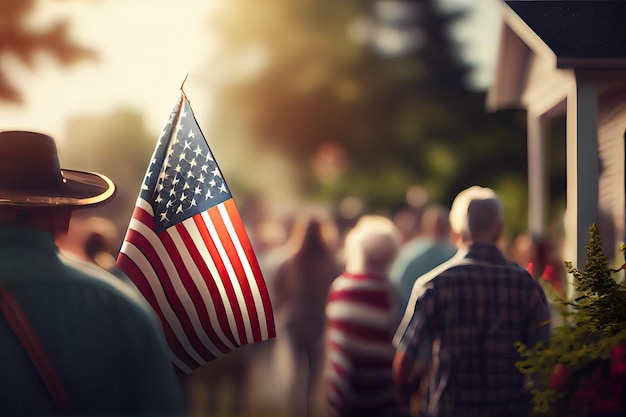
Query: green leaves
[[595, 321]]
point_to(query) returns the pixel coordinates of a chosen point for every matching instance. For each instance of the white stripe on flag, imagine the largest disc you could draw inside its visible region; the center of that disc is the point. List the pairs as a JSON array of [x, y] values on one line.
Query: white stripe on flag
[[175, 280], [170, 269], [258, 302], [231, 275], [144, 265], [198, 280], [190, 307]]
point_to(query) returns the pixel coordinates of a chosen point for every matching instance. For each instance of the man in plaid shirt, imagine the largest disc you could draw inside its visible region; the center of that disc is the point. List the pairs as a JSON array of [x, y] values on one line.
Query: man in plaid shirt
[[464, 317]]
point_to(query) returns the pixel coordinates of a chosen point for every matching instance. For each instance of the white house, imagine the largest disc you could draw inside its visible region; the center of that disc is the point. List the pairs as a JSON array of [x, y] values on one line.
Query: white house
[[568, 58]]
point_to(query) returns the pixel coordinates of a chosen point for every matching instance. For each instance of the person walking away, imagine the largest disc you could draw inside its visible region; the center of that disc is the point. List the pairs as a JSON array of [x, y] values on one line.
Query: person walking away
[[464, 317], [361, 318], [300, 290], [538, 255], [432, 247], [97, 347]]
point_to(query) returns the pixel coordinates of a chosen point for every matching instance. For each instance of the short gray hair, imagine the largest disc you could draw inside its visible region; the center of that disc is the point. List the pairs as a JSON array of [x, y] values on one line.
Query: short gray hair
[[477, 213]]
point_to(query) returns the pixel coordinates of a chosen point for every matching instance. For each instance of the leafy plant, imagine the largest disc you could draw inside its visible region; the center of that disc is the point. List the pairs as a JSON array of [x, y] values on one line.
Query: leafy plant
[[579, 351]]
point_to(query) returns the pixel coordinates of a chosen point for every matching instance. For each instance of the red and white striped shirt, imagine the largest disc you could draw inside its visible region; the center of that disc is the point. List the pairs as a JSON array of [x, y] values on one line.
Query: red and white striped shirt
[[361, 321]]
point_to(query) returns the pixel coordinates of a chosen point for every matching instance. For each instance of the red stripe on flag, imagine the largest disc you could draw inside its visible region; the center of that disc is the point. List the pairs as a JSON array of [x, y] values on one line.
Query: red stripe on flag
[[223, 276], [192, 289], [140, 214], [254, 264], [240, 273], [209, 280], [132, 236], [154, 258], [176, 303], [137, 276]]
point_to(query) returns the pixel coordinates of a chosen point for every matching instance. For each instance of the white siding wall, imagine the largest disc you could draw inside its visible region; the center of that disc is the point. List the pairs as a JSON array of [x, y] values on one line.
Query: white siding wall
[[611, 202]]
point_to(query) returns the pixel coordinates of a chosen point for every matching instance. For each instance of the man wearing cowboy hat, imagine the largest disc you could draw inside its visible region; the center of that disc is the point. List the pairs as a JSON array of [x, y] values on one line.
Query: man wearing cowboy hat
[[73, 338]]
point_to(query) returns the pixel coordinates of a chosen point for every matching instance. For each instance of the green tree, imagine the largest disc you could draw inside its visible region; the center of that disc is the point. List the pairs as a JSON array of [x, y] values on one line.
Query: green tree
[[595, 321], [118, 145], [385, 89], [22, 41]]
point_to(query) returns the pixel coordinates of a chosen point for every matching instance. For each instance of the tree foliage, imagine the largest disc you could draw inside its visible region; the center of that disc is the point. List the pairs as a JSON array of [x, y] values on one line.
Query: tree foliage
[[118, 145], [595, 322], [322, 75], [24, 42]]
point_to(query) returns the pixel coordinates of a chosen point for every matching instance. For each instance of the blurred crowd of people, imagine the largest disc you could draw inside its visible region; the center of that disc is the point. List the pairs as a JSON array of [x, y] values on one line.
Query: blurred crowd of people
[[339, 289], [357, 298]]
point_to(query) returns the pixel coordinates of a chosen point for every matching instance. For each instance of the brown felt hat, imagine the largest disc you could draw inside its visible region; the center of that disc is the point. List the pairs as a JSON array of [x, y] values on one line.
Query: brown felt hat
[[30, 175]]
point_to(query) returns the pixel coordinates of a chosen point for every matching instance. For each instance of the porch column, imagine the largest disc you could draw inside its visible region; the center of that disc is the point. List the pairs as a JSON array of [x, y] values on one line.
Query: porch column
[[582, 171], [536, 174]]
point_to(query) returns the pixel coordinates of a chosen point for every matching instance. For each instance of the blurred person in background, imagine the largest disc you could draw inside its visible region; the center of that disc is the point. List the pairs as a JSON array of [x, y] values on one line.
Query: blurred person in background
[[362, 317], [407, 221], [299, 293], [429, 249], [408, 218], [463, 319], [93, 239], [74, 339], [538, 255], [100, 242]]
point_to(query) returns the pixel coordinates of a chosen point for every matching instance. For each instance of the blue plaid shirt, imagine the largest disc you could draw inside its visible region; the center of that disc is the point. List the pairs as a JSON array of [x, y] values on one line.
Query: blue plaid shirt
[[463, 320]]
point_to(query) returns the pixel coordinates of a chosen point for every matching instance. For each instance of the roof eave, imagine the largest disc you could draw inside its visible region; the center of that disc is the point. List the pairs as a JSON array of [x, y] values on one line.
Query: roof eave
[[564, 62]]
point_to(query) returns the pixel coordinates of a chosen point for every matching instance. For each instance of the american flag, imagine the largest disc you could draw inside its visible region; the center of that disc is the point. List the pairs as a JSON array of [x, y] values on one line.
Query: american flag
[[188, 253]]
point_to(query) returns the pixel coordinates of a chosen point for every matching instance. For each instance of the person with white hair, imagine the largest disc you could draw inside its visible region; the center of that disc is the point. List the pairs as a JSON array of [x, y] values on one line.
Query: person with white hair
[[459, 330], [361, 318]]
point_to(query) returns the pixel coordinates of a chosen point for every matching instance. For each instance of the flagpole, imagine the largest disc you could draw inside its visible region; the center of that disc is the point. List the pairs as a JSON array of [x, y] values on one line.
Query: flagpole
[[182, 85]]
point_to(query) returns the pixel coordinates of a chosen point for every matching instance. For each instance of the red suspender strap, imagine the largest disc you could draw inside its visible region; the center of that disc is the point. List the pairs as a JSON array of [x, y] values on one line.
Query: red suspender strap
[[17, 321]]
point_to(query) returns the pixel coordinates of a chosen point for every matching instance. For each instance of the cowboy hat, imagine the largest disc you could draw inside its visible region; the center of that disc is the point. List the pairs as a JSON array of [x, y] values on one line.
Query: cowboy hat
[[30, 175]]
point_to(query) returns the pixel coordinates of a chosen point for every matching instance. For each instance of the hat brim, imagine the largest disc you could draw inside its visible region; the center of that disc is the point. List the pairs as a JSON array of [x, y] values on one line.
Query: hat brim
[[79, 190]]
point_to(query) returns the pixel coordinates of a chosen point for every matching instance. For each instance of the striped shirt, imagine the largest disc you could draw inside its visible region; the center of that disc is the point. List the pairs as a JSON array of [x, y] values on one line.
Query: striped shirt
[[361, 320], [466, 317]]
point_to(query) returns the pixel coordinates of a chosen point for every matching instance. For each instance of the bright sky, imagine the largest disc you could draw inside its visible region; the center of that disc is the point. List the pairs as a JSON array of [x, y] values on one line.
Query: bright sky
[[479, 35], [146, 49]]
